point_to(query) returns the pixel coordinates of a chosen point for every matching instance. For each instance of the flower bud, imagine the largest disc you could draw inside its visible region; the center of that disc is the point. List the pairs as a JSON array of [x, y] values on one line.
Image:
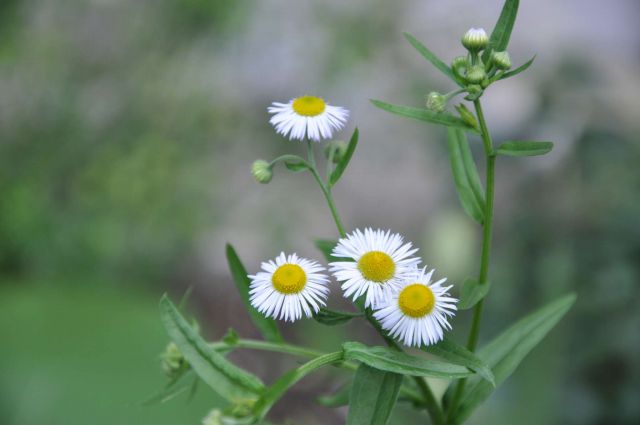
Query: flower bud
[[501, 60], [339, 149], [172, 360], [262, 171], [476, 74], [475, 39], [436, 102]]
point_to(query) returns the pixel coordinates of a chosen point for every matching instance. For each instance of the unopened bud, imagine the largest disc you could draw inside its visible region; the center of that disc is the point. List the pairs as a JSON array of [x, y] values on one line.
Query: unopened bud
[[262, 171], [336, 147], [172, 360], [476, 74], [436, 102], [501, 60], [475, 39]]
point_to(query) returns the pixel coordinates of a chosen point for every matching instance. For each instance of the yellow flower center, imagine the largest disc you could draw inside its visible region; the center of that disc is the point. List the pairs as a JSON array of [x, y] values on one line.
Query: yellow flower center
[[376, 266], [416, 300], [308, 106], [289, 279]]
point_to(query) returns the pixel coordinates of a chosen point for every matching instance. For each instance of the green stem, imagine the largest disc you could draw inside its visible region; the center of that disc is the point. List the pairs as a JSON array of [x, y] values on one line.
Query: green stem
[[325, 190], [490, 158]]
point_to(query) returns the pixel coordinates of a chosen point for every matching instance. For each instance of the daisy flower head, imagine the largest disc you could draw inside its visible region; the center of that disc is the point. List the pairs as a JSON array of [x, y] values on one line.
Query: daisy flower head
[[307, 116], [289, 286], [376, 264], [417, 314]]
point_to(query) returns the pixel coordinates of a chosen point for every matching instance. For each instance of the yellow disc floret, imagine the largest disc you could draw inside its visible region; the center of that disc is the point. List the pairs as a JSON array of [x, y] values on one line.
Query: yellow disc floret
[[376, 266], [308, 106], [289, 279], [416, 300]]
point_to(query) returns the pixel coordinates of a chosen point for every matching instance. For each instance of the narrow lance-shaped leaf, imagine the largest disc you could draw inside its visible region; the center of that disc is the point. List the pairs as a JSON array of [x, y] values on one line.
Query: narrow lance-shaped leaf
[[390, 360], [470, 168], [342, 165], [501, 33], [472, 292], [473, 206], [524, 148], [267, 327], [333, 318], [227, 379], [507, 351], [431, 57], [518, 70], [457, 354], [373, 396], [282, 385], [443, 118], [296, 166]]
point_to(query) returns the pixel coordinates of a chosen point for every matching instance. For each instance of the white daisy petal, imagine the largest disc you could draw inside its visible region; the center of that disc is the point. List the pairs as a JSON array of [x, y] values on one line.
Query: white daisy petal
[[379, 263], [307, 117], [417, 313], [289, 287]]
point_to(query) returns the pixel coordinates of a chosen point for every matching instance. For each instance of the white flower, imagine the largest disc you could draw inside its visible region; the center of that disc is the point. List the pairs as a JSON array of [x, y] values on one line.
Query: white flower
[[289, 286], [417, 314], [307, 116], [380, 264]]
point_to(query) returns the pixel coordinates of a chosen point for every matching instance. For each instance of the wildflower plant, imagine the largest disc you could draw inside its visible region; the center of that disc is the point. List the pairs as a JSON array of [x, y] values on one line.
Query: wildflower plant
[[379, 271]]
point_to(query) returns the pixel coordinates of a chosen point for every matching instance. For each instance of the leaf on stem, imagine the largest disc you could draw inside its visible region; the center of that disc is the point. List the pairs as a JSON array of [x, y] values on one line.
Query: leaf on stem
[[505, 353], [465, 175], [373, 396], [391, 360], [524, 148], [457, 354], [501, 33], [337, 399], [518, 70], [296, 166], [443, 118], [342, 165], [431, 57], [228, 380], [333, 318], [471, 293], [267, 327]]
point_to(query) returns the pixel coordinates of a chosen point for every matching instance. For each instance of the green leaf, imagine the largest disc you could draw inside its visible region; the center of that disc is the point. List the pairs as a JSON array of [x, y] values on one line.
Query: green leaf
[[455, 353], [342, 165], [431, 57], [267, 327], [465, 175], [170, 390], [296, 166], [222, 376], [282, 385], [471, 293], [444, 118], [390, 360], [518, 70], [505, 353], [338, 399], [501, 33], [524, 148], [333, 318], [373, 395]]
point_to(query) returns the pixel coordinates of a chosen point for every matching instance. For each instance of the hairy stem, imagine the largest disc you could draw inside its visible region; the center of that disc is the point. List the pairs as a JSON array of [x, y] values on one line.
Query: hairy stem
[[490, 158]]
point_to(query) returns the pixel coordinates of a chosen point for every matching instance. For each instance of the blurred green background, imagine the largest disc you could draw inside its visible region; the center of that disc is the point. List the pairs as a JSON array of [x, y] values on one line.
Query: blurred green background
[[127, 131]]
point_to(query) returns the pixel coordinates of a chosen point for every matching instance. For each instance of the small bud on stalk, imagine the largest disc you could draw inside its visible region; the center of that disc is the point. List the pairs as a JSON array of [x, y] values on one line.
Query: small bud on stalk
[[339, 149], [476, 74], [436, 102], [501, 60], [262, 171], [475, 39], [172, 360]]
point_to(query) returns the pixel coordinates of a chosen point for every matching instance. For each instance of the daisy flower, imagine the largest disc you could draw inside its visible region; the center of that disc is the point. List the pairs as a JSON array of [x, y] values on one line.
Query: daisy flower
[[417, 314], [289, 286], [307, 116], [380, 263]]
